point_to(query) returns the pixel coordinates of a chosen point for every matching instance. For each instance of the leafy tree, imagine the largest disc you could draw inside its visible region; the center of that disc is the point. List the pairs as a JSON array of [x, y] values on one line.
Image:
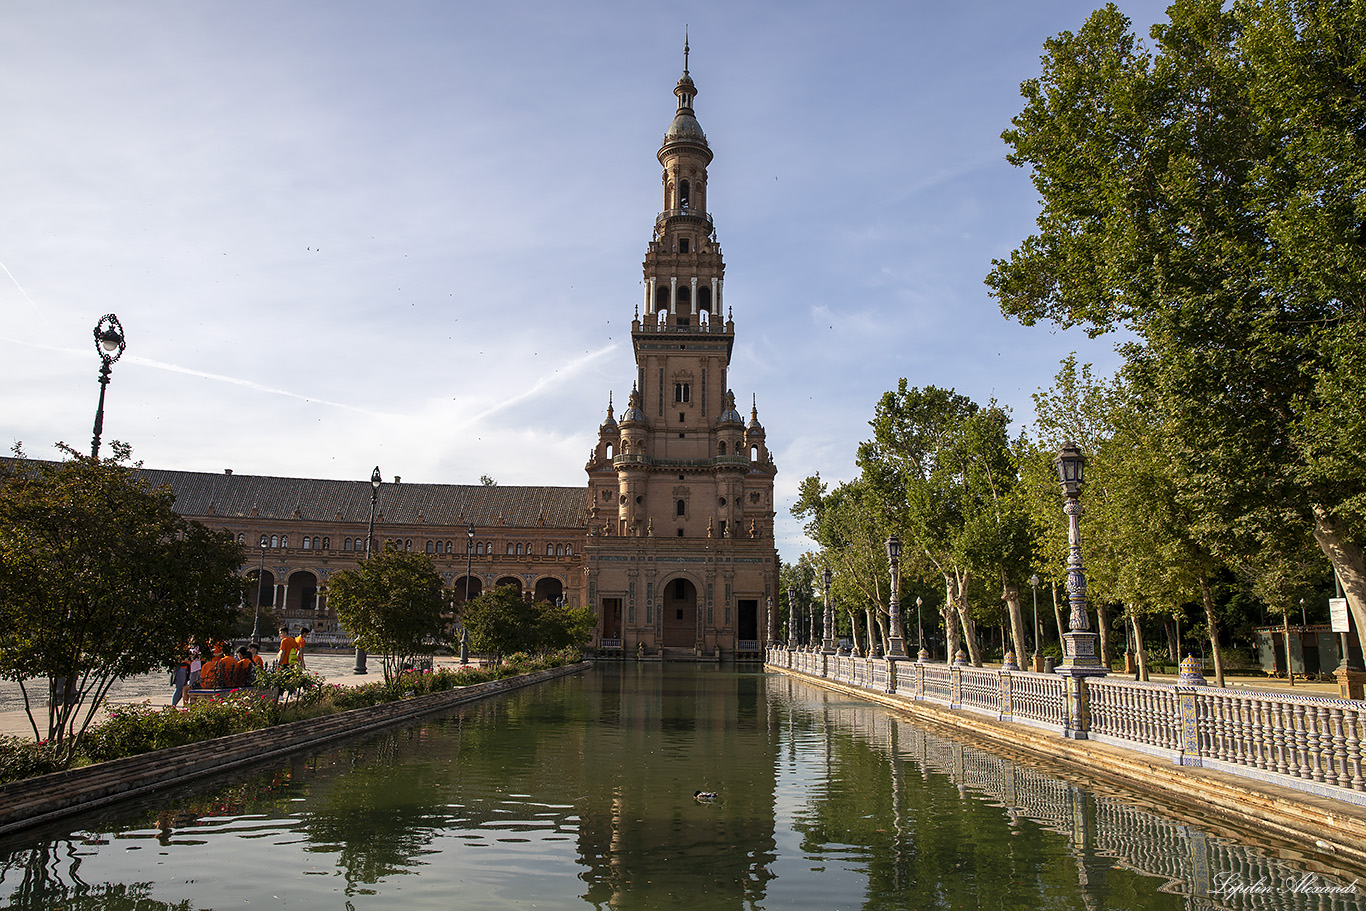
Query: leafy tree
[[394, 604], [1206, 196], [800, 579], [941, 470], [846, 524], [501, 622], [100, 579], [562, 626]]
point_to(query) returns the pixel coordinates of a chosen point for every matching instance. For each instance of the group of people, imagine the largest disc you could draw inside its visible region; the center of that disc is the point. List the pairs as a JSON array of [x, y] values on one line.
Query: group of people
[[228, 670]]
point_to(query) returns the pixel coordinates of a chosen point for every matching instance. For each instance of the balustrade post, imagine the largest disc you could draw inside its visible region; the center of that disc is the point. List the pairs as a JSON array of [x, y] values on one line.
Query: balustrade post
[[920, 682]]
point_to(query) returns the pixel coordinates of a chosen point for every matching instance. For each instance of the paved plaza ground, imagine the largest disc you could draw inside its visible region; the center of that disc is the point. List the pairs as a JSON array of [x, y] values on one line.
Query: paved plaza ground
[[155, 689]]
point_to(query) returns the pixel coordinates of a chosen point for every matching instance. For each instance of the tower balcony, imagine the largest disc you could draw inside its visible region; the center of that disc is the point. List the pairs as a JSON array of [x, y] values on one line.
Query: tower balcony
[[639, 460], [692, 215]]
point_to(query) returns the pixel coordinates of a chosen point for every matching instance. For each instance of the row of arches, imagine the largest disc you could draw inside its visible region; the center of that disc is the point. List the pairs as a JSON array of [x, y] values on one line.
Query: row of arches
[[299, 591], [682, 303]]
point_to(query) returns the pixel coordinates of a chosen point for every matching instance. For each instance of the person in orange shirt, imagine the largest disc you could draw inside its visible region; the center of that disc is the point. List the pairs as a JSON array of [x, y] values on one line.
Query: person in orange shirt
[[299, 643], [258, 664], [210, 674], [287, 646]]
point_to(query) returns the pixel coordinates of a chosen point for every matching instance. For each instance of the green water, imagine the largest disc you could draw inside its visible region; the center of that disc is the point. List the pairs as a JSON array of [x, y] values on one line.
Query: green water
[[579, 792]]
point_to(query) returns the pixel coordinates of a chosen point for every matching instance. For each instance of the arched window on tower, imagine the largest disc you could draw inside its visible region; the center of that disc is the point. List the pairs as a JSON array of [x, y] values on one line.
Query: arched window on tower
[[681, 508], [662, 299], [721, 448], [684, 300], [704, 298], [684, 195]]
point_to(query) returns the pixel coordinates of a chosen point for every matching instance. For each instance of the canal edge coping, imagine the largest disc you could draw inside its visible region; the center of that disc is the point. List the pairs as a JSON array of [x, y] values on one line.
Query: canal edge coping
[[1331, 832], [42, 799]]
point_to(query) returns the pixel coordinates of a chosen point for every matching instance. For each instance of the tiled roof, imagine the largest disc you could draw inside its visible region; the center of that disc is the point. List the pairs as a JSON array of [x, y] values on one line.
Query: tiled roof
[[313, 499]]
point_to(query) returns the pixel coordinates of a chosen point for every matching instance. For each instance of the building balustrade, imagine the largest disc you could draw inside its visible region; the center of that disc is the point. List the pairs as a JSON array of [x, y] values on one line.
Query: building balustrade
[[1308, 742]]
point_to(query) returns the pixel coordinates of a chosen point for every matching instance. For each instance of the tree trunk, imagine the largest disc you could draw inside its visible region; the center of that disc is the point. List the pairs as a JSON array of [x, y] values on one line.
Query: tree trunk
[[1057, 615], [1346, 557], [957, 589], [1289, 670], [952, 641], [1103, 628], [1212, 622], [1138, 645], [853, 635], [1011, 594], [1173, 639]]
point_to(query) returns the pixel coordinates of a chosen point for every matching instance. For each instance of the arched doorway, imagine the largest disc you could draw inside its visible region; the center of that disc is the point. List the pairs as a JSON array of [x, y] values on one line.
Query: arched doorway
[[260, 588], [301, 591], [548, 589], [476, 587], [679, 610], [512, 581]]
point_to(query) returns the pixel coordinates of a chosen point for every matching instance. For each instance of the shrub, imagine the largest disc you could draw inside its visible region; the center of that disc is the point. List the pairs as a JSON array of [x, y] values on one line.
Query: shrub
[[22, 758], [140, 728]]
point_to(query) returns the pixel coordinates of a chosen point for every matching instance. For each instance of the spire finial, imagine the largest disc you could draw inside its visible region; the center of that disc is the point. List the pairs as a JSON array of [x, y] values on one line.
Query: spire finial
[[685, 50]]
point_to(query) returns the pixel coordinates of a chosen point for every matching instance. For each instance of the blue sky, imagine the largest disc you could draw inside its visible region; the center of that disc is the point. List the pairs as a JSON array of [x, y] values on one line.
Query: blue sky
[[341, 234]]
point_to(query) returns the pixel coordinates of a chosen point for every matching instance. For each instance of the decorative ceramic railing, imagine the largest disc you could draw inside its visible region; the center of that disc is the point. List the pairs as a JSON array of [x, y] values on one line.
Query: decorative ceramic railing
[[1313, 743]]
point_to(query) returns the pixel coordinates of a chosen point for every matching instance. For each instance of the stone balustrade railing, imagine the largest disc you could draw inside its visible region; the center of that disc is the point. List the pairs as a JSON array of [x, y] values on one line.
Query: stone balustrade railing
[[1311, 743]]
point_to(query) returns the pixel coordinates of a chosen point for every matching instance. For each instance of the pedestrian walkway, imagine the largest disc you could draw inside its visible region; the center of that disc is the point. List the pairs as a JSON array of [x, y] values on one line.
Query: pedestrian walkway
[[15, 723]]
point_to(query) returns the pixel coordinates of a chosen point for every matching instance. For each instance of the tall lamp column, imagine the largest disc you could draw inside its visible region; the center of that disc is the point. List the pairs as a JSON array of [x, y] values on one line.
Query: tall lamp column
[[1038, 657], [922, 653], [375, 481], [109, 345], [1081, 647], [896, 643], [260, 595], [828, 643], [792, 617], [469, 571]]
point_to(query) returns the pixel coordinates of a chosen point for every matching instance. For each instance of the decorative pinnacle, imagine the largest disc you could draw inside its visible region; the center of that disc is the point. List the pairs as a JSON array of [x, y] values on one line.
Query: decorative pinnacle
[[685, 50]]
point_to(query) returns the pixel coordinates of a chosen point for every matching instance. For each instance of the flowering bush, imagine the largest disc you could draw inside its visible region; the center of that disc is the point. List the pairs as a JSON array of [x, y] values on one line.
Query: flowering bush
[[22, 758], [140, 728]]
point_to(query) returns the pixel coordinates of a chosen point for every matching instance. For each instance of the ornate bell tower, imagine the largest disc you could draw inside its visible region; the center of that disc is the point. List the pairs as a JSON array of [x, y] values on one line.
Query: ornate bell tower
[[680, 553]]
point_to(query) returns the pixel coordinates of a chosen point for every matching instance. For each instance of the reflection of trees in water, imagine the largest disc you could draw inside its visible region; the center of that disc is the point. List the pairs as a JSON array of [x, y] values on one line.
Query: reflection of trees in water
[[934, 813], [50, 879]]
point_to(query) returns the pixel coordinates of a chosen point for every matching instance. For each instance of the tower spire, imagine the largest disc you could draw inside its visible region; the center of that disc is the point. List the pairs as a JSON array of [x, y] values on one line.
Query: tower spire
[[685, 50]]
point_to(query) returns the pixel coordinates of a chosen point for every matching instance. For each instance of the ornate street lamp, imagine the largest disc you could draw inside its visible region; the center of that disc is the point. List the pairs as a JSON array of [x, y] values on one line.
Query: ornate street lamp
[[922, 653], [109, 345], [375, 480], [1038, 658], [792, 617], [828, 643], [260, 595], [896, 646], [772, 623], [1081, 652], [469, 570]]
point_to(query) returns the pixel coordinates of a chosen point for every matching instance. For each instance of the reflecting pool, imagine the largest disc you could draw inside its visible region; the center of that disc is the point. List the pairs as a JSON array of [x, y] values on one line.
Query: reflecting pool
[[580, 792]]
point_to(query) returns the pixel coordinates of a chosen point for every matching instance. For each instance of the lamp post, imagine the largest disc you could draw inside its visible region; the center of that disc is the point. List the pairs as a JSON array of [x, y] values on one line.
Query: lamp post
[[260, 595], [109, 345], [792, 617], [828, 642], [375, 481], [469, 570], [811, 633], [1081, 652], [772, 623], [896, 645], [922, 653], [1038, 658]]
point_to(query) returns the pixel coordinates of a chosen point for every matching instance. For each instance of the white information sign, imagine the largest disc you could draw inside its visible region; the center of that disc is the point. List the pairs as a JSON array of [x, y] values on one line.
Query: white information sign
[[1337, 610]]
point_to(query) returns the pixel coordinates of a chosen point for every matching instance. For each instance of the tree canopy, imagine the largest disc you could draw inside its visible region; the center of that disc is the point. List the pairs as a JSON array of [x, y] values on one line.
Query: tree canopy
[[501, 622], [100, 579], [394, 604], [1207, 196]]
